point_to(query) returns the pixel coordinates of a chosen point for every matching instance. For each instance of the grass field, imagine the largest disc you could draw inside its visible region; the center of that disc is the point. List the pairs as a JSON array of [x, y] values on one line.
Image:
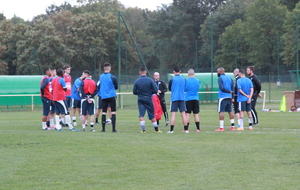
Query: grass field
[[265, 158]]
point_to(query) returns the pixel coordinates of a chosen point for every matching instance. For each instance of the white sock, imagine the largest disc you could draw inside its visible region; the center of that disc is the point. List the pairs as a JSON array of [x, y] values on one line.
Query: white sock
[[250, 120], [51, 122], [232, 122], [241, 123], [74, 118], [142, 123], [68, 121], [57, 120], [63, 120], [221, 124], [154, 124], [83, 126], [44, 125]]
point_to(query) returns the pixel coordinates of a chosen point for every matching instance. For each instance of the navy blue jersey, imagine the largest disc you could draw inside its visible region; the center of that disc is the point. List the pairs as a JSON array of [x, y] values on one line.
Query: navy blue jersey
[[144, 87]]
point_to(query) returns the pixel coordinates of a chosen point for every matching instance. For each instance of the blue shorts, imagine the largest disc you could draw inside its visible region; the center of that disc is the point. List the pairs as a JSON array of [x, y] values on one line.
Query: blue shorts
[[244, 106], [146, 104], [46, 106], [52, 107], [179, 104], [225, 105], [76, 103], [100, 103], [87, 108], [68, 101], [61, 107]]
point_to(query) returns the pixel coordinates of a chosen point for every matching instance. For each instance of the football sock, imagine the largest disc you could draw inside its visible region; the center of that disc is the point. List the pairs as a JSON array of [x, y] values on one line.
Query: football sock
[[113, 121], [83, 126], [48, 123], [92, 125], [172, 128], [97, 120], [103, 121], [74, 118], [43, 125], [197, 125], [155, 126], [232, 122], [63, 120], [51, 122], [142, 123], [250, 121], [185, 127], [188, 124], [68, 121], [241, 123], [157, 122], [57, 120], [221, 124]]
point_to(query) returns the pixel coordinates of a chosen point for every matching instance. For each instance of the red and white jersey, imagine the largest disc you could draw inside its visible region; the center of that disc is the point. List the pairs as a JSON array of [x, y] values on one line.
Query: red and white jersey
[[68, 80], [58, 85], [47, 88]]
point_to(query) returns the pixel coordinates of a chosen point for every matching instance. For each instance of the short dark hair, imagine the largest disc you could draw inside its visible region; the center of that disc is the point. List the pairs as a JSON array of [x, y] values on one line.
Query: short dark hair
[[176, 69], [66, 67], [106, 64], [242, 71], [87, 72], [45, 70], [60, 72], [252, 68], [142, 69]]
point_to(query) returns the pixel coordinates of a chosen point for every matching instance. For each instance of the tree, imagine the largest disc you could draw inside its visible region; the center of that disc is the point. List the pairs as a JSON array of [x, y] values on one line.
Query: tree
[[2, 17], [42, 47], [289, 36], [291, 4], [3, 64], [263, 28]]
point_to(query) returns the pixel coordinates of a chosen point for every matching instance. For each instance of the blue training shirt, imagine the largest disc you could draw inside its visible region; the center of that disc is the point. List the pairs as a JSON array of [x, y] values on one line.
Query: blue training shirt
[[192, 87], [108, 86], [177, 88], [245, 85], [144, 87], [76, 89], [225, 86]]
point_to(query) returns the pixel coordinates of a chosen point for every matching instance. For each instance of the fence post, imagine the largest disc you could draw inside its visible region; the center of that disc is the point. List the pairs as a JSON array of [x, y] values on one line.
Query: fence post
[[32, 103]]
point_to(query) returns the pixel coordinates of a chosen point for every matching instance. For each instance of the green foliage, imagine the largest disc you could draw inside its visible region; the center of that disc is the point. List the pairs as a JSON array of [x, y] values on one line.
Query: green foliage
[[291, 4], [3, 64]]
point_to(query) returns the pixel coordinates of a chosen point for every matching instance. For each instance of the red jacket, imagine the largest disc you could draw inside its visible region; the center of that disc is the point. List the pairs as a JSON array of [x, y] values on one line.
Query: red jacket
[[157, 107]]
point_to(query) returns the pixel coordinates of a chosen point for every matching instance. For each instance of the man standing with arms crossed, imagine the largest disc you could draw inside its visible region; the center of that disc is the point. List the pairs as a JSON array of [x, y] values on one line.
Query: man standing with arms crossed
[[192, 98], [256, 92], [225, 98], [245, 93], [108, 87], [144, 88], [162, 88], [176, 86]]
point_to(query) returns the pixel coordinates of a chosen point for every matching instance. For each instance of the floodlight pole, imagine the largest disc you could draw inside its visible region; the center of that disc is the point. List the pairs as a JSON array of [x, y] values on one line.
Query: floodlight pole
[[211, 51], [119, 55]]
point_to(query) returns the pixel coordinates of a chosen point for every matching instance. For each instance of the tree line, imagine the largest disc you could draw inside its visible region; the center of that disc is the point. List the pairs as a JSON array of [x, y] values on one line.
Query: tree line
[[187, 33]]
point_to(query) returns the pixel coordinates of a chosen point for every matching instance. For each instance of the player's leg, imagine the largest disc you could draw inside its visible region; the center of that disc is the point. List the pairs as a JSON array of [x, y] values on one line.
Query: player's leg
[[74, 105], [104, 110], [142, 111], [236, 111], [99, 109], [182, 109], [221, 110], [196, 110], [164, 108], [242, 108], [250, 119], [230, 113], [253, 110], [91, 113], [174, 108], [113, 105], [46, 110], [83, 113], [188, 112]]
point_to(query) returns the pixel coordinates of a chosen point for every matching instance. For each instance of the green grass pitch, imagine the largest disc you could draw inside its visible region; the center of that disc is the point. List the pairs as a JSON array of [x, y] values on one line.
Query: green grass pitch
[[265, 158]]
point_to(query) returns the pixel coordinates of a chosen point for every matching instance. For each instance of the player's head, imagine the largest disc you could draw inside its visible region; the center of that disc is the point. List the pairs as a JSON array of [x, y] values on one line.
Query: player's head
[[156, 76], [242, 72], [107, 67], [47, 71], [191, 72], [250, 70], [220, 71], [236, 72], [176, 70], [86, 73], [53, 72], [142, 71], [67, 69], [60, 72]]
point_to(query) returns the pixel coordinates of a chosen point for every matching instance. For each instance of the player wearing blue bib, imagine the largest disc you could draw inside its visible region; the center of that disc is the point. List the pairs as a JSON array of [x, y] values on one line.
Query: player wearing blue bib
[[225, 98], [76, 99], [245, 93], [192, 98]]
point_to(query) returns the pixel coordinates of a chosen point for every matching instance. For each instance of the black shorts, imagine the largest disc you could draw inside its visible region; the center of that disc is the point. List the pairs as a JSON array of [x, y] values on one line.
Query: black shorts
[[76, 103], [46, 106], [236, 106], [68, 101], [87, 108], [109, 101], [192, 106], [100, 103]]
